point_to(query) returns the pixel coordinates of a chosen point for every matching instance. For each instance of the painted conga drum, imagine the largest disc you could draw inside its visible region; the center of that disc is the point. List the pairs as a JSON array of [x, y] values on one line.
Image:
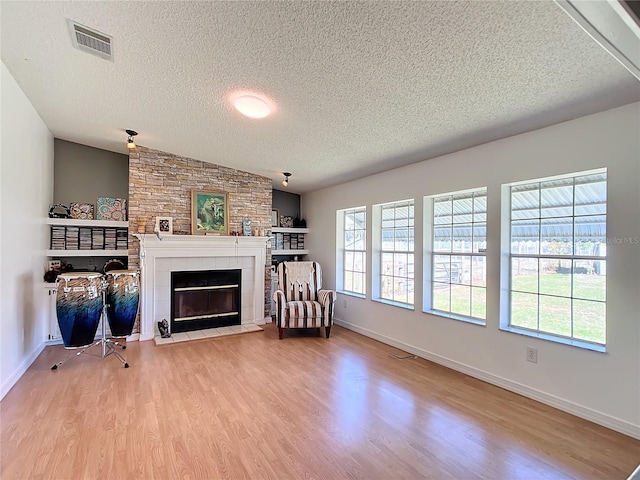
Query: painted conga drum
[[78, 307], [123, 297]]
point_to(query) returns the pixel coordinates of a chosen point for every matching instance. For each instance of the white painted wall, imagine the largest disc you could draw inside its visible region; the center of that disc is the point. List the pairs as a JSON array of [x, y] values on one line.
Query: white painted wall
[[26, 191], [602, 387]]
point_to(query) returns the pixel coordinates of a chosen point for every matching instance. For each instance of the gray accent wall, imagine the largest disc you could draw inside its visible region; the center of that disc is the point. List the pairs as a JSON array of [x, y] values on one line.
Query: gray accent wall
[[82, 174], [287, 203]]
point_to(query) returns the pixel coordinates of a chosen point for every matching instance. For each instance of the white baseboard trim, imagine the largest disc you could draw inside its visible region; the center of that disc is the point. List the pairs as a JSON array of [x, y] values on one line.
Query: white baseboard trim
[[134, 337], [594, 416], [22, 368], [144, 338]]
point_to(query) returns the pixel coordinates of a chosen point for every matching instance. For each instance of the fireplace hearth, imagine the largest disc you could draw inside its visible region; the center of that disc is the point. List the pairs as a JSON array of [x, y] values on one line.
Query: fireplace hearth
[[205, 299]]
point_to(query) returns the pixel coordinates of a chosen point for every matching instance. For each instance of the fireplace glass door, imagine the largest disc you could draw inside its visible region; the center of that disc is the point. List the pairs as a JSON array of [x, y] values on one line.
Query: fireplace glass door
[[205, 299]]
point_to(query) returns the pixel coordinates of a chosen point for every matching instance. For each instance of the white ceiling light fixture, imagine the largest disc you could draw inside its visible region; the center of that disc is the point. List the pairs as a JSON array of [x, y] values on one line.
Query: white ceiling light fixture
[[252, 104], [252, 107]]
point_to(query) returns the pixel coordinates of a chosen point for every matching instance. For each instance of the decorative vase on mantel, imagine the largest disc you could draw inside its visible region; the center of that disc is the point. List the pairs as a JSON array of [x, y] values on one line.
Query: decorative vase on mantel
[[142, 224]]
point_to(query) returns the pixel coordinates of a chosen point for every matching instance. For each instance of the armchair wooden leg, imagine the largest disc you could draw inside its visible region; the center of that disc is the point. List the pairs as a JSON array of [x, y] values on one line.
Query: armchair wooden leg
[[327, 331], [280, 332]]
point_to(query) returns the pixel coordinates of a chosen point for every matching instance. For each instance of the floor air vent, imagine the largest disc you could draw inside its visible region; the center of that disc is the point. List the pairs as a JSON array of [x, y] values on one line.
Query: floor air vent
[[91, 41]]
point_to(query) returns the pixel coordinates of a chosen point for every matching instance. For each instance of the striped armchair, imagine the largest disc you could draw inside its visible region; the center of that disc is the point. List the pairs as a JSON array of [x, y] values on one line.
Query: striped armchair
[[300, 300]]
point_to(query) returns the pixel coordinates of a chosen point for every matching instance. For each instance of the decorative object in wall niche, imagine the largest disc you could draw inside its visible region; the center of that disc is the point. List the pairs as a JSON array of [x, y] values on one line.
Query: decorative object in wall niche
[[56, 267], [164, 225], [299, 223], [275, 215], [246, 227], [81, 211], [286, 222], [113, 264], [59, 211], [111, 209], [209, 212], [55, 264]]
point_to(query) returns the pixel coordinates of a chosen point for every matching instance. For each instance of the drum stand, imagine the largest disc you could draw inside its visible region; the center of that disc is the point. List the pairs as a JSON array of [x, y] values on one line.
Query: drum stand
[[108, 346]]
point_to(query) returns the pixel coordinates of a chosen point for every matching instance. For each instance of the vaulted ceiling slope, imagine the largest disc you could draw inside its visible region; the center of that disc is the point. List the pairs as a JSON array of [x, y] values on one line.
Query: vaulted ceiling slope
[[360, 87]]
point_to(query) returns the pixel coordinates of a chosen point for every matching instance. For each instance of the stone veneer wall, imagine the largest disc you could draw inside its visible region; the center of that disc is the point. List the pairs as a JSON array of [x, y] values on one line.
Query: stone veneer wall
[[160, 185]]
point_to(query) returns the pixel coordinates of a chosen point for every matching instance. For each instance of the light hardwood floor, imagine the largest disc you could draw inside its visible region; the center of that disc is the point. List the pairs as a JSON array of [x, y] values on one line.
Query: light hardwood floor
[[251, 406]]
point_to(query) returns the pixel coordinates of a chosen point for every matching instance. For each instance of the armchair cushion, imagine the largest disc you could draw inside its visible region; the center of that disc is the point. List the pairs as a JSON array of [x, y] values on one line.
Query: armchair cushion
[[303, 314]]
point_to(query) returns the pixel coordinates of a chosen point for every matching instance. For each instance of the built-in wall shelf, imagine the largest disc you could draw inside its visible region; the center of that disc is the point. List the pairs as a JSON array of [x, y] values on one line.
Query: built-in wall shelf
[[71, 237], [289, 252], [87, 253], [285, 240], [289, 230], [72, 222]]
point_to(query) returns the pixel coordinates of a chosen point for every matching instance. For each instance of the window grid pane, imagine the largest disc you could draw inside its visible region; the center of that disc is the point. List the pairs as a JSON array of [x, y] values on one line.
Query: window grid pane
[[563, 218], [396, 259], [355, 250], [458, 264]]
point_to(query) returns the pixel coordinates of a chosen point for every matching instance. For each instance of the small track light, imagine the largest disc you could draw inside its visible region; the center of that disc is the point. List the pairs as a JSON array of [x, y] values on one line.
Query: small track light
[[130, 142], [285, 182]]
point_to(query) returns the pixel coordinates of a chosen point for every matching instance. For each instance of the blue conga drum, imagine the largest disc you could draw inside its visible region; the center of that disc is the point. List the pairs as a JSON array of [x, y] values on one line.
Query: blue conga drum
[[123, 297], [79, 307]]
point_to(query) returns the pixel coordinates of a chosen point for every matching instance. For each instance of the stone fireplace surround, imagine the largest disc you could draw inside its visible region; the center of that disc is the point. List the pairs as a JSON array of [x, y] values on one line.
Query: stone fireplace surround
[[160, 256]]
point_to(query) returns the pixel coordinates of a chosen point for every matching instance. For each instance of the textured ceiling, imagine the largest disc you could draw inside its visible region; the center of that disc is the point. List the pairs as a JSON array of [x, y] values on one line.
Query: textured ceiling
[[361, 87]]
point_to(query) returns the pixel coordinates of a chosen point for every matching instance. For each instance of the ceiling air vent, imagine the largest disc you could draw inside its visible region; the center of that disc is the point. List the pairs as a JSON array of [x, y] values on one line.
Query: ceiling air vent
[[91, 41]]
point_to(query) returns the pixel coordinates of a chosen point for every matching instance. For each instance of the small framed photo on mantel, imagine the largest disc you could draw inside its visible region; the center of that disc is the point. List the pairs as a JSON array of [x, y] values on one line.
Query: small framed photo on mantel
[[275, 216], [164, 226]]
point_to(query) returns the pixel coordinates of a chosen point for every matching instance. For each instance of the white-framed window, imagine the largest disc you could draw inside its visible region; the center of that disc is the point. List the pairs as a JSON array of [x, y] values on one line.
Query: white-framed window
[[455, 255], [557, 258], [352, 250], [394, 253]]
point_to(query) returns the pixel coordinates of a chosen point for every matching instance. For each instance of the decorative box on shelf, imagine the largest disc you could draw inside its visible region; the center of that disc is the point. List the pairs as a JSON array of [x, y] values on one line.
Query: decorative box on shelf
[[114, 209], [81, 211]]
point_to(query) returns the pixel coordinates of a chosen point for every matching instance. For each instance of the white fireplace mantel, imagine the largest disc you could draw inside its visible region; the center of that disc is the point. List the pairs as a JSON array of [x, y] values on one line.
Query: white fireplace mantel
[[154, 291]]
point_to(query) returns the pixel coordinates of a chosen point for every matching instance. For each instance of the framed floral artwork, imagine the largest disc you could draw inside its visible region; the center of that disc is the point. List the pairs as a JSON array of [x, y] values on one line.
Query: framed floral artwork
[[209, 212]]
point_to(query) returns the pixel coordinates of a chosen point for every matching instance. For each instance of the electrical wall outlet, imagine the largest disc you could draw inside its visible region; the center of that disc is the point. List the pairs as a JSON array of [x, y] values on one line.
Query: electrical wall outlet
[[532, 355]]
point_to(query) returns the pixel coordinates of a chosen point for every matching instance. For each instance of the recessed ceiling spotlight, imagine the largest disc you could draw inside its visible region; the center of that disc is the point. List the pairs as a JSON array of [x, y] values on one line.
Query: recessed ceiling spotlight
[[252, 104]]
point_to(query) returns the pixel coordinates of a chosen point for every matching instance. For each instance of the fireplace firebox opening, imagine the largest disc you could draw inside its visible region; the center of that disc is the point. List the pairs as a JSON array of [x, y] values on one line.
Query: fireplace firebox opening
[[205, 299]]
